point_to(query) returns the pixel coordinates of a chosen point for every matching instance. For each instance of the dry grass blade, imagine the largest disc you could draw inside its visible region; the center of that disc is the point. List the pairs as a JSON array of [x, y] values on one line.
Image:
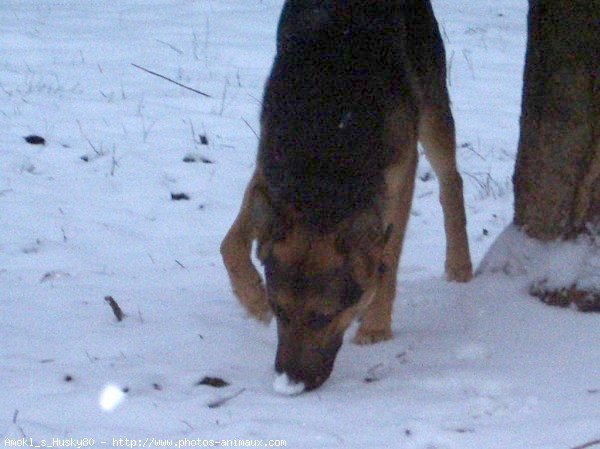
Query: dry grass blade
[[588, 444], [219, 402], [171, 80]]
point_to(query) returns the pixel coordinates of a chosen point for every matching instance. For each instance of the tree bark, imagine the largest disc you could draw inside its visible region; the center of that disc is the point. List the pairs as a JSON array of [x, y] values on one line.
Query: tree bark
[[557, 174]]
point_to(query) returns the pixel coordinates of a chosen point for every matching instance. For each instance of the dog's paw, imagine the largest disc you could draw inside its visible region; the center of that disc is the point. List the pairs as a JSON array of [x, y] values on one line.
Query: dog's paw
[[463, 273], [371, 336]]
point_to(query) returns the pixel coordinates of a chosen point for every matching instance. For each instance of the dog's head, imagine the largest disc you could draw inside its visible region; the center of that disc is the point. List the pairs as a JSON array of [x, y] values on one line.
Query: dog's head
[[317, 284]]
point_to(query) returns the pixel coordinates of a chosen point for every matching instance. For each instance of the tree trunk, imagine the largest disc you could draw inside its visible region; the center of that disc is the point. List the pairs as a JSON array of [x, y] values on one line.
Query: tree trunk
[[557, 174]]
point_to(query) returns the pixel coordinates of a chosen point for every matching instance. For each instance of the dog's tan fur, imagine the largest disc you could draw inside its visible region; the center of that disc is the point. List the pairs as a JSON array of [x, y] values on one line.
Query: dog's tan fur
[[362, 248]]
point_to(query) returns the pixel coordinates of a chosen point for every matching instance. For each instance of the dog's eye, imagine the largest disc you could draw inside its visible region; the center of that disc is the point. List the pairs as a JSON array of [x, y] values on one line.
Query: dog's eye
[[318, 321], [352, 293]]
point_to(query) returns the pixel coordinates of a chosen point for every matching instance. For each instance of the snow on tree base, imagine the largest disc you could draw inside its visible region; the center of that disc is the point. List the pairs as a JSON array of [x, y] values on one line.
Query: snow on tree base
[[560, 272]]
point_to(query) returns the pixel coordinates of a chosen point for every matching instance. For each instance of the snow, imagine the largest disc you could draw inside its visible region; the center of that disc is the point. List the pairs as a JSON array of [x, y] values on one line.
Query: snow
[[111, 397], [481, 365], [557, 264], [286, 386]]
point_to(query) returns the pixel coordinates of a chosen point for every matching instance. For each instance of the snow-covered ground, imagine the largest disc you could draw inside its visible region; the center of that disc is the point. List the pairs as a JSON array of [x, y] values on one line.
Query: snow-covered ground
[[91, 214]]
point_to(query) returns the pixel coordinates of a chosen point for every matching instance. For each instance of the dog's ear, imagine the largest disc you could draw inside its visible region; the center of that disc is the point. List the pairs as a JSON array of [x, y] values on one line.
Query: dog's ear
[[262, 222], [269, 223], [262, 211]]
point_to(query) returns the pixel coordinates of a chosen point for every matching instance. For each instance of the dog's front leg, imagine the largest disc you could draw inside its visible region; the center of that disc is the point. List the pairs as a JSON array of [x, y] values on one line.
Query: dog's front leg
[[236, 251]]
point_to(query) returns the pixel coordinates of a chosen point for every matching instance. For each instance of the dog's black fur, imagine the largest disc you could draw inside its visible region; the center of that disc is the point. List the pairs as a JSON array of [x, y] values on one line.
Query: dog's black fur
[[338, 71]]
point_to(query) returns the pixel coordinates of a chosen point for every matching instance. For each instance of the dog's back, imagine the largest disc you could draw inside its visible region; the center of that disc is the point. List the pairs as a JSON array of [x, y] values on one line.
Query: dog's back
[[339, 72]]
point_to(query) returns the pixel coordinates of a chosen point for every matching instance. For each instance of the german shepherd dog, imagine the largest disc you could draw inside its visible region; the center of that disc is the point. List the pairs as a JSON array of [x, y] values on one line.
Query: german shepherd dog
[[354, 85]]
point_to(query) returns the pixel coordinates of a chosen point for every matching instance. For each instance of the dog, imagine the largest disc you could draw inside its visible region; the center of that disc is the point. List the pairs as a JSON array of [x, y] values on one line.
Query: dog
[[354, 86]]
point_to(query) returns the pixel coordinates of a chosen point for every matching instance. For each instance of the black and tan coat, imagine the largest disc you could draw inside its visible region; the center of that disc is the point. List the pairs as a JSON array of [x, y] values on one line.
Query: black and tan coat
[[354, 85]]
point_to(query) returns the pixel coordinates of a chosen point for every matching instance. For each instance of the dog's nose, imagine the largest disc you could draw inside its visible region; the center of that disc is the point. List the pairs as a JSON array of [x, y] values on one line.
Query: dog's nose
[[291, 382], [305, 367]]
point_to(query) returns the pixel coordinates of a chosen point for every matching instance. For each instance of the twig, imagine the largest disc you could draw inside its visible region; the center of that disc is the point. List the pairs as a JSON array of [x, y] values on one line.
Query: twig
[[469, 147], [115, 307], [169, 79], [251, 129], [187, 424], [224, 96], [146, 130], [466, 54], [172, 47], [114, 162], [589, 444], [372, 375], [98, 152], [446, 38], [206, 40], [449, 69], [223, 401], [195, 45], [14, 420]]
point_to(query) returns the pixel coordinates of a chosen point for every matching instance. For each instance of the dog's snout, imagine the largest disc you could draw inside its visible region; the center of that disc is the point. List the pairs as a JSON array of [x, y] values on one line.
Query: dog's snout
[[306, 363], [292, 382]]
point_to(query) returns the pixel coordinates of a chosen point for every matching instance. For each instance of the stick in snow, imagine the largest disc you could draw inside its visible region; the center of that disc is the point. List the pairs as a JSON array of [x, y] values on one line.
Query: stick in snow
[[14, 420], [115, 307], [222, 401], [589, 444], [169, 79], [251, 129]]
